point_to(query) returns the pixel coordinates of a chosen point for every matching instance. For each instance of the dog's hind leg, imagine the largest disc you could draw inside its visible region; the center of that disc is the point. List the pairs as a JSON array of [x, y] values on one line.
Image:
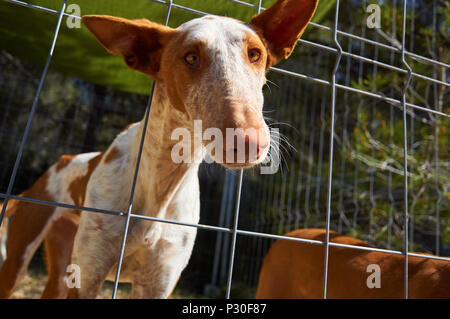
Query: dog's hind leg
[[26, 232], [58, 250]]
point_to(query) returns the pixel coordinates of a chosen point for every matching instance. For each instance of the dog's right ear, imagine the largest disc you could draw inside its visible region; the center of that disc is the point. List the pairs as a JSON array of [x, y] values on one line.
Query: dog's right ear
[[140, 42]]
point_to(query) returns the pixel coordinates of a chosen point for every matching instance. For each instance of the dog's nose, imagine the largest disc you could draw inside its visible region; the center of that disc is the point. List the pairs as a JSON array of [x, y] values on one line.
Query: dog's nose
[[248, 145]]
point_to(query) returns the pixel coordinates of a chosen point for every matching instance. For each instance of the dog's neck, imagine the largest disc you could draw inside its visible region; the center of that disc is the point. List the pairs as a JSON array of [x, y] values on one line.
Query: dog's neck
[[159, 176]]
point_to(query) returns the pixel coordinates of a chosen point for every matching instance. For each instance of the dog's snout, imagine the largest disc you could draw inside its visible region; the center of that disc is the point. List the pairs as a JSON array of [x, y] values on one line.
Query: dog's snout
[[249, 143], [257, 141]]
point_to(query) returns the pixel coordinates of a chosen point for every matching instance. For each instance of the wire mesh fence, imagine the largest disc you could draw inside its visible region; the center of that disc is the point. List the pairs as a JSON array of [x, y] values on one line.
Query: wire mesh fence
[[365, 119]]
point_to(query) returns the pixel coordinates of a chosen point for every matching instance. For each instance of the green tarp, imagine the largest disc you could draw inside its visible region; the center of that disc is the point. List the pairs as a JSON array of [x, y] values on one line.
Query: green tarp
[[27, 33]]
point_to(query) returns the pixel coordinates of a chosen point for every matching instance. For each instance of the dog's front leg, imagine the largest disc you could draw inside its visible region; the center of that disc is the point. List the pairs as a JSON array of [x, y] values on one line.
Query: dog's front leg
[[95, 252]]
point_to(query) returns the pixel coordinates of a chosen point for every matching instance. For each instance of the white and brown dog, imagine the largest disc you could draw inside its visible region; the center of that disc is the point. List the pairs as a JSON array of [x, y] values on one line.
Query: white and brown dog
[[210, 69]]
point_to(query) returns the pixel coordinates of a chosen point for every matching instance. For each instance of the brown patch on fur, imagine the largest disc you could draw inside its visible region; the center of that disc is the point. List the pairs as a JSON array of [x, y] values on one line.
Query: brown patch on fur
[[37, 191], [127, 127], [140, 42], [58, 251], [295, 270], [112, 155], [73, 294], [64, 161], [77, 188], [26, 225]]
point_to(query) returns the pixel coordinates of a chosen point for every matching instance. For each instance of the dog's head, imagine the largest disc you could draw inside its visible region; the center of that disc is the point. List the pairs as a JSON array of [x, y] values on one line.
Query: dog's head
[[213, 68]]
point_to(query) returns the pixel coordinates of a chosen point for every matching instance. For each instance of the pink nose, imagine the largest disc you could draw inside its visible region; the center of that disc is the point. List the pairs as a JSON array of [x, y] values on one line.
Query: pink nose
[[249, 143]]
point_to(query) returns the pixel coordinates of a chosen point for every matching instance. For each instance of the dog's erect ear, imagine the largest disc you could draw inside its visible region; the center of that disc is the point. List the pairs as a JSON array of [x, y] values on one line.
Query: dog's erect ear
[[139, 41], [283, 24]]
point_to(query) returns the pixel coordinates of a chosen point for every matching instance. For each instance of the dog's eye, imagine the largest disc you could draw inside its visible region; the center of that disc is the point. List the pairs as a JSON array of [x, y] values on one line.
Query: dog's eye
[[192, 59], [254, 55]]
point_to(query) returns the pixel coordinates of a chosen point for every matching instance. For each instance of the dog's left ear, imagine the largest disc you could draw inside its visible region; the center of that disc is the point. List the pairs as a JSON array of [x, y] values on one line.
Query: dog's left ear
[[282, 25], [140, 42]]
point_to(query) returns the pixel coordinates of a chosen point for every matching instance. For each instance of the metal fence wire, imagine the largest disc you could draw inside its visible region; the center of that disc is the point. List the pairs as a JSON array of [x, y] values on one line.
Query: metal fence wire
[[353, 189]]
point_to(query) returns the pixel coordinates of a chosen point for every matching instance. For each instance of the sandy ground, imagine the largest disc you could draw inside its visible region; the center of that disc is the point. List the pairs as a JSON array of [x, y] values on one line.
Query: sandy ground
[[33, 284]]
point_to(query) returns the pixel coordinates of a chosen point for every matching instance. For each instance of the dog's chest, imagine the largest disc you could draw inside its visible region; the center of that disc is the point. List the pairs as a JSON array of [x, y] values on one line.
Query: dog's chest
[[151, 242], [183, 208]]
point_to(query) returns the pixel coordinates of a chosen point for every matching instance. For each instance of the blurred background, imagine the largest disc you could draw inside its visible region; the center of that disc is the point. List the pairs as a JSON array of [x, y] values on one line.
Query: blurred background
[[90, 96]]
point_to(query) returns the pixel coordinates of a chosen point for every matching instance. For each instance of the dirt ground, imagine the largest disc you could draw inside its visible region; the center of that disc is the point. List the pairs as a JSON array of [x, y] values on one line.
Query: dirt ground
[[32, 286]]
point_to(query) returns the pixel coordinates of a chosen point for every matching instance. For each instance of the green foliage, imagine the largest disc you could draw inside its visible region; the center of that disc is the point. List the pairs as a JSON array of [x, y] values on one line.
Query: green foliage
[[28, 33]]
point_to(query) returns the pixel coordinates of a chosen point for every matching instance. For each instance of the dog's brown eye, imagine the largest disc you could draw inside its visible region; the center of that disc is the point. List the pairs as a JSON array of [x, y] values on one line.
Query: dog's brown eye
[[254, 55], [192, 59]]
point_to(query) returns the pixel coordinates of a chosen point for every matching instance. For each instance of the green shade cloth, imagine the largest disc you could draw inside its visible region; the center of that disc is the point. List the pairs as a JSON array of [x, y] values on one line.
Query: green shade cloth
[[27, 33]]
